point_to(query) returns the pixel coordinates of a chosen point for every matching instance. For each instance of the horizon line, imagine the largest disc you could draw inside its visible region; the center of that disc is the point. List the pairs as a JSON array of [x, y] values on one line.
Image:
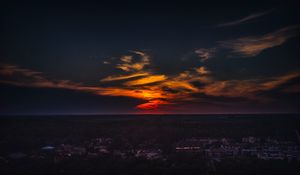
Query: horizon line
[[149, 114]]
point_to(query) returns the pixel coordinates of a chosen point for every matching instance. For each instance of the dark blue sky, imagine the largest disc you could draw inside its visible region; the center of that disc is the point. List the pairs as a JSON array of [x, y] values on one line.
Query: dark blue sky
[[191, 57]]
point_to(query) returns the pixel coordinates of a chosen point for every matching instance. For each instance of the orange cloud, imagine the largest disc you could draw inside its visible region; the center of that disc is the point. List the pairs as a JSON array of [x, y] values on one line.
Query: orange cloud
[[126, 58], [254, 45], [123, 77], [128, 64], [27, 78], [231, 88], [146, 80], [277, 81], [179, 85], [202, 70], [11, 70], [246, 88], [144, 94]]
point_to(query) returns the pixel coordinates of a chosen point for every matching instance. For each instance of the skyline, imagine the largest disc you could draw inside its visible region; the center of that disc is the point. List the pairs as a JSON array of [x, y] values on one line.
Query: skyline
[[150, 58]]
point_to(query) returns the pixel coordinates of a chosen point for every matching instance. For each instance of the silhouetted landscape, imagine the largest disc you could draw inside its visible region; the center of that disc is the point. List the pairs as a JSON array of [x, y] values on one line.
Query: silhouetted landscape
[[150, 144]]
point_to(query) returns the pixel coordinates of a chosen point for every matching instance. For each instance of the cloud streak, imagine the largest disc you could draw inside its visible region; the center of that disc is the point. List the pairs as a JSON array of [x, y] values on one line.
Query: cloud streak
[[146, 80], [248, 88], [205, 54], [123, 77], [249, 46], [253, 45], [245, 19]]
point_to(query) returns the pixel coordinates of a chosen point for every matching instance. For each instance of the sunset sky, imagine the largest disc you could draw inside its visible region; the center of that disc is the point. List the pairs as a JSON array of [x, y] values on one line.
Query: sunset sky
[[149, 57]]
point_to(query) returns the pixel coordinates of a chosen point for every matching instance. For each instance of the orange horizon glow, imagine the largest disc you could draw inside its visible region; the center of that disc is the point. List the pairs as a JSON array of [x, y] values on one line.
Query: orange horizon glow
[[153, 104]]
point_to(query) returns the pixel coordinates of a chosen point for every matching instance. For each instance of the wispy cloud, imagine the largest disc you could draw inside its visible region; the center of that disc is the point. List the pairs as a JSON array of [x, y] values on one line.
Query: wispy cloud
[[129, 65], [123, 77], [245, 19], [249, 46], [248, 88], [253, 45], [146, 80], [14, 75], [205, 54], [202, 70], [126, 58], [106, 62]]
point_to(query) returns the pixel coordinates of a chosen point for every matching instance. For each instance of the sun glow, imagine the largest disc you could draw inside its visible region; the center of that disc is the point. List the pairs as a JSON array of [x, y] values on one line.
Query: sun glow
[[153, 104], [147, 95]]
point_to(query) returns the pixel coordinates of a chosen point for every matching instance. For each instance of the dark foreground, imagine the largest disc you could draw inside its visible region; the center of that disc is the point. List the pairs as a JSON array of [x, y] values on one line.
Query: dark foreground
[[185, 144]]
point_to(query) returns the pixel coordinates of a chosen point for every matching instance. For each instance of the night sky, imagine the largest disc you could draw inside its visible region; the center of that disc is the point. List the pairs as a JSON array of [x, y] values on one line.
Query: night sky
[[149, 57]]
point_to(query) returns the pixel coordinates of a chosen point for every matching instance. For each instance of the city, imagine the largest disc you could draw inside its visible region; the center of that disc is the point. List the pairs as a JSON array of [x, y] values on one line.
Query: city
[[80, 146]]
